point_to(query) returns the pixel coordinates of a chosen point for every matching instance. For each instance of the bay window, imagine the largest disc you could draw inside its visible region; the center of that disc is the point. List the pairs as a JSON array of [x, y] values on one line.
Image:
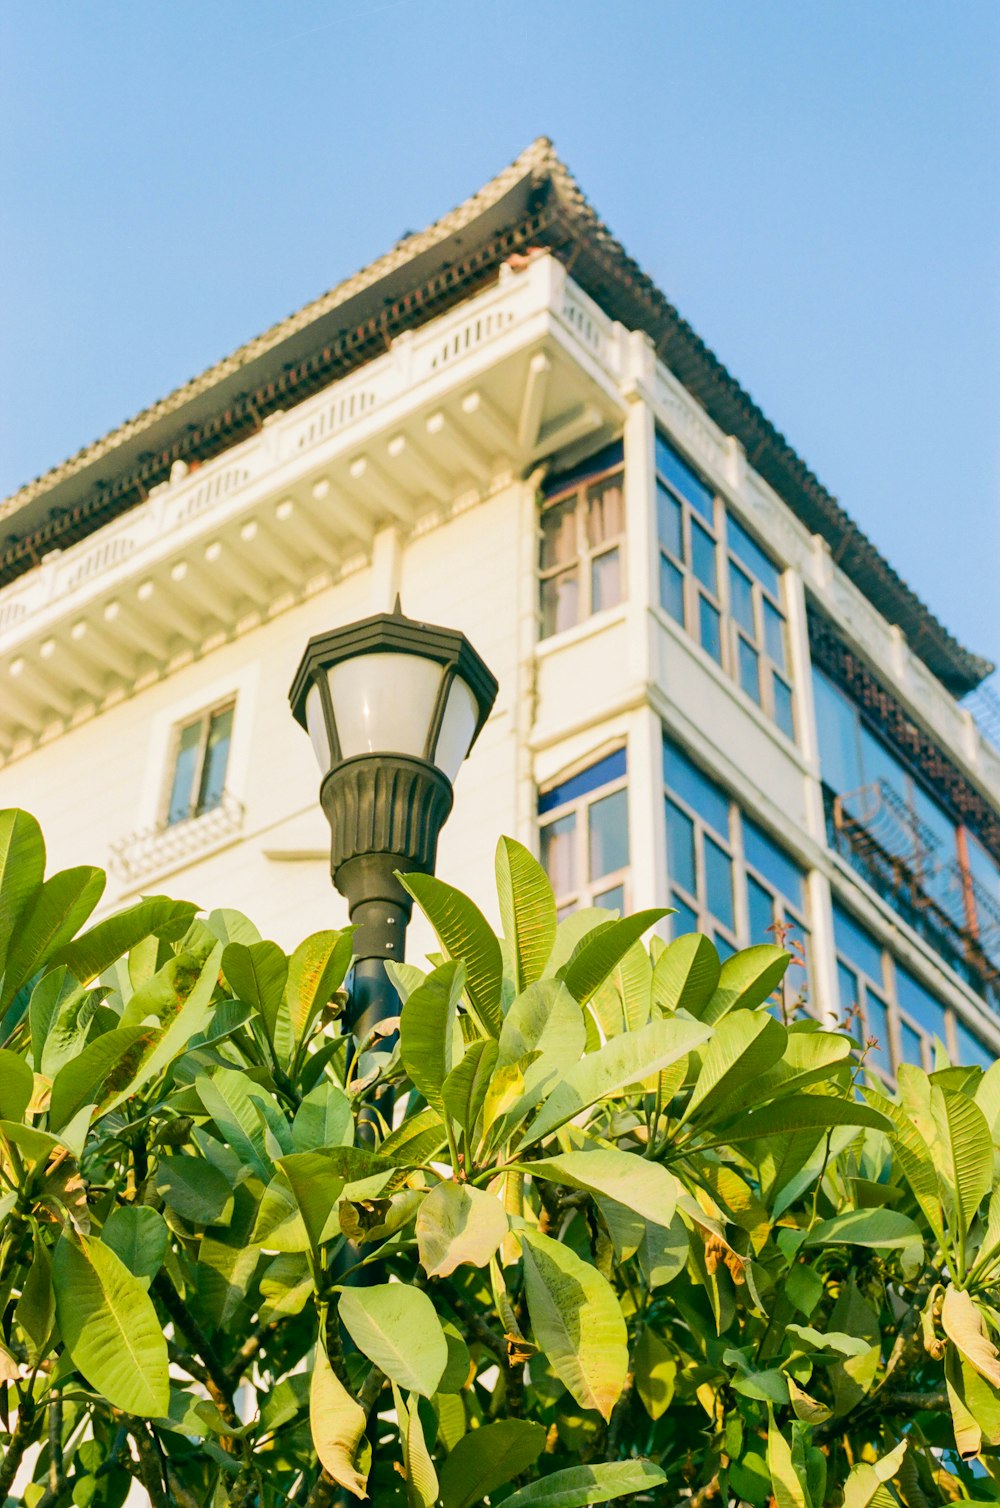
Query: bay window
[[581, 550], [584, 836], [719, 584]]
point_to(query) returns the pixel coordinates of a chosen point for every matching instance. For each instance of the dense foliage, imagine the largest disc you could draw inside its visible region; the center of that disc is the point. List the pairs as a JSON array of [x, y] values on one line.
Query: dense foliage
[[640, 1229]]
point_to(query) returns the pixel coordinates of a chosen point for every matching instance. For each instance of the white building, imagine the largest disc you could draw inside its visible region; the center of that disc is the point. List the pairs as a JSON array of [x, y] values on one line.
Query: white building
[[506, 422]]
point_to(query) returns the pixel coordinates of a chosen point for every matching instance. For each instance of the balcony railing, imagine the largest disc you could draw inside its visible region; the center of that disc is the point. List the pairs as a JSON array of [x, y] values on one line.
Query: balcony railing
[[880, 836], [165, 846]]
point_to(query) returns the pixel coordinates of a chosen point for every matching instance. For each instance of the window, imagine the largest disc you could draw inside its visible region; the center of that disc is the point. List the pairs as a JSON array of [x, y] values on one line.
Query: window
[[899, 837], [581, 553], [717, 582], [728, 877], [891, 1005], [201, 754], [584, 836]]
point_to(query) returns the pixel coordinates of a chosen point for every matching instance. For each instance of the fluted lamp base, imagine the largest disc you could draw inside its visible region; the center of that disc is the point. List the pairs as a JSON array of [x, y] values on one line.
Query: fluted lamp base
[[385, 813]]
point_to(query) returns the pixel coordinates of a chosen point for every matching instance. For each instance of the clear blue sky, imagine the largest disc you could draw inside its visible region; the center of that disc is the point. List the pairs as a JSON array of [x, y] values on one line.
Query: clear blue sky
[[815, 185]]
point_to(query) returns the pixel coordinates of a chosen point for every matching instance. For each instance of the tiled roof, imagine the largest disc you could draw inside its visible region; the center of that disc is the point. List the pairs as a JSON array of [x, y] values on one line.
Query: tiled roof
[[533, 201]]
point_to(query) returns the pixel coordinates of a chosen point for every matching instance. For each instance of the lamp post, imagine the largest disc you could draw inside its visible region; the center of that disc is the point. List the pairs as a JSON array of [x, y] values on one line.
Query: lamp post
[[392, 707]]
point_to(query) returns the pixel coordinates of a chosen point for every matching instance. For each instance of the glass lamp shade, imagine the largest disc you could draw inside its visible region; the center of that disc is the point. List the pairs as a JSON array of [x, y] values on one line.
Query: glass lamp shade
[[384, 703], [458, 728]]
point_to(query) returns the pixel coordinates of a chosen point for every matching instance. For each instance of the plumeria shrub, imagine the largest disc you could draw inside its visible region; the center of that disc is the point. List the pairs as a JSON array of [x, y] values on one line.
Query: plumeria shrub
[[607, 1220]]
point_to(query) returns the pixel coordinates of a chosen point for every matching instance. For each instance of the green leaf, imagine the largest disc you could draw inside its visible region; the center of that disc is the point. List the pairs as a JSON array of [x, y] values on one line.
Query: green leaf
[[316, 970], [324, 1119], [464, 1090], [788, 1487], [686, 974], [865, 1481], [97, 949], [36, 1308], [47, 922], [527, 910], [801, 1112], [397, 1328], [576, 1320], [458, 1223], [56, 994], [488, 1458], [643, 1186], [466, 936], [746, 980], [580, 1486], [745, 1045], [655, 1373], [965, 1149], [257, 973], [110, 1327], [417, 1140], [626, 1060], [22, 868], [17, 1084], [194, 1189], [878, 1228], [545, 1019], [137, 1235], [178, 1000], [337, 1424], [91, 1076], [427, 1028], [317, 1182], [227, 1100], [663, 1252], [601, 953], [418, 1468]]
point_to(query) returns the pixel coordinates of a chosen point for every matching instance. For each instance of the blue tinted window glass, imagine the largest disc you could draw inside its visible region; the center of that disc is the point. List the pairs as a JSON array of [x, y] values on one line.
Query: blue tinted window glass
[[680, 848], [761, 907], [601, 773], [749, 669], [668, 517], [677, 471], [970, 1050], [710, 628], [723, 946], [881, 765], [783, 714], [741, 599], [752, 556], [926, 1010], [687, 781], [703, 557], [848, 989], [181, 803], [877, 1026], [838, 726], [856, 944], [685, 919], [671, 589], [911, 1045], [602, 460], [719, 884], [774, 634], [213, 770], [611, 900], [774, 864], [608, 817]]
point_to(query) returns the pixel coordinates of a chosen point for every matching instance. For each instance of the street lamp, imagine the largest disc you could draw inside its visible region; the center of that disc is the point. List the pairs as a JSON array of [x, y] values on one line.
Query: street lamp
[[392, 707]]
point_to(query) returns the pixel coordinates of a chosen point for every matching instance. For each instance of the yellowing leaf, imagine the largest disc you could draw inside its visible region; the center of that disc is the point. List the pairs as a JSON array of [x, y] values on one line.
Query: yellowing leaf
[[655, 1373], [964, 1325], [337, 1423], [457, 1223], [577, 1321]]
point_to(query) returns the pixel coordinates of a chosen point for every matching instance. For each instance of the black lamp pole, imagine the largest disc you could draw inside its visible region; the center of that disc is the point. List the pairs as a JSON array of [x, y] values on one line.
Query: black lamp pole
[[393, 707]]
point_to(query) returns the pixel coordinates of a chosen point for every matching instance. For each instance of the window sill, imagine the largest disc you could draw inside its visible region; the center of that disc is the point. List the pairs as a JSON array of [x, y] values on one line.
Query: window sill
[[766, 724], [597, 623], [153, 852]]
